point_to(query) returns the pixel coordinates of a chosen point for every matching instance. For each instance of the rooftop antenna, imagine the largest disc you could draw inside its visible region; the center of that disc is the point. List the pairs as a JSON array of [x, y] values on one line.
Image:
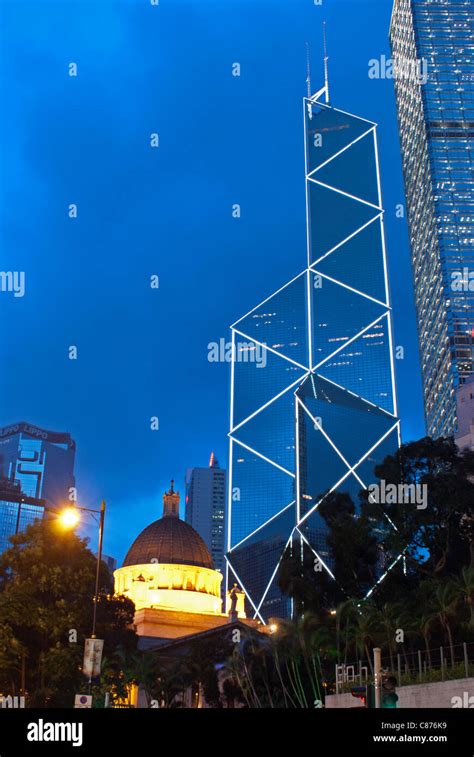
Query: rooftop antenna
[[326, 74], [308, 69]]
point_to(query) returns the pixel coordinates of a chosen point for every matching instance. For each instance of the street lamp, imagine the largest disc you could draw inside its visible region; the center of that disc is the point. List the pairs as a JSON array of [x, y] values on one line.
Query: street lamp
[[69, 518]]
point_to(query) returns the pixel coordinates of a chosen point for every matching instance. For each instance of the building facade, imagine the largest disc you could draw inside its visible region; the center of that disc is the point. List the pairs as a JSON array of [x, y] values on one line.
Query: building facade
[[313, 406], [465, 414], [205, 507], [41, 461], [110, 561], [17, 511], [433, 61]]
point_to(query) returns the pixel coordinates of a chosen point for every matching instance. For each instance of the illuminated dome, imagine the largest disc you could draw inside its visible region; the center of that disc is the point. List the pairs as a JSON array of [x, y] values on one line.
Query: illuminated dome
[[169, 568], [169, 540]]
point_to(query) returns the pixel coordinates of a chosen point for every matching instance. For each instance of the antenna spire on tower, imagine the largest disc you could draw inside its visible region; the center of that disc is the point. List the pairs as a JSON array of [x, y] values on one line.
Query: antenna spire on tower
[[308, 69], [326, 74]]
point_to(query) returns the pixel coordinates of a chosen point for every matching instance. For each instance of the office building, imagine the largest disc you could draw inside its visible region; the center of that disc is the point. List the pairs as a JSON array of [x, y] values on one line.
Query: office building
[[17, 511], [313, 406], [432, 53], [205, 507], [111, 562], [465, 415], [41, 461]]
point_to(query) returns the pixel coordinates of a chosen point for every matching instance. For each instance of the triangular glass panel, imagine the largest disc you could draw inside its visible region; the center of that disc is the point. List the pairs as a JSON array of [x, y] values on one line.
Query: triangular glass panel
[[259, 491], [275, 604], [281, 321], [366, 469], [353, 579], [353, 425], [259, 376], [333, 217], [272, 431], [328, 131], [315, 531], [318, 527], [353, 171], [320, 586], [259, 555], [359, 262], [338, 315], [364, 367], [320, 467]]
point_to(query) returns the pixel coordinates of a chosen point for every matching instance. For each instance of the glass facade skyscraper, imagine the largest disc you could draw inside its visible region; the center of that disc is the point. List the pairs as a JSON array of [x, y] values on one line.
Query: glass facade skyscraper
[[205, 507], [16, 511], [41, 461], [313, 407], [436, 125], [36, 472]]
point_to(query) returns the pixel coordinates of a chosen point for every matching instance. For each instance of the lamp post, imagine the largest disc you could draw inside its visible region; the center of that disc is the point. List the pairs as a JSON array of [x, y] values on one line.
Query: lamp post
[[70, 518], [378, 677], [99, 558]]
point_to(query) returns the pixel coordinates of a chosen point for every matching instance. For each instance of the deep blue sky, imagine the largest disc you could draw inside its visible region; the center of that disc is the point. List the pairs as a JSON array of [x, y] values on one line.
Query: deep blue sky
[[223, 140]]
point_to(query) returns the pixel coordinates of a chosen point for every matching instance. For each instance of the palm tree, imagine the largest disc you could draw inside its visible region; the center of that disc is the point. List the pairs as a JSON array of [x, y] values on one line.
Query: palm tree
[[312, 637], [238, 669], [363, 628], [142, 671], [345, 614], [463, 586], [282, 670], [198, 668], [169, 688], [387, 622], [422, 623], [445, 602]]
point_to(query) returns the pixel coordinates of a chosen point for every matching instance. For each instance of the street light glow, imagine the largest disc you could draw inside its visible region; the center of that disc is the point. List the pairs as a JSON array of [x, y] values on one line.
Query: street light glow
[[69, 517]]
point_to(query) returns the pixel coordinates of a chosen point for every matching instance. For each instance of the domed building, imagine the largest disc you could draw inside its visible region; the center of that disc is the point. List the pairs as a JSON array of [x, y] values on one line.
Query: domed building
[[169, 575]]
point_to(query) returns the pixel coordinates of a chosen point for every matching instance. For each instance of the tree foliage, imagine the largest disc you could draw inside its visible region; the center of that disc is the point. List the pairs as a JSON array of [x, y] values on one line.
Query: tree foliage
[[47, 585]]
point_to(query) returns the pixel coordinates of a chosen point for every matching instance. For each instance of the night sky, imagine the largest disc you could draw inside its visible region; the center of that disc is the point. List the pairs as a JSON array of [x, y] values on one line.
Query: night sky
[[165, 211]]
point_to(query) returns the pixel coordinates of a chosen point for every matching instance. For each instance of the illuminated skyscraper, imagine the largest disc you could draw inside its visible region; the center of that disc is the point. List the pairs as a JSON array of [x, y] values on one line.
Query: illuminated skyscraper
[[17, 511], [436, 124], [205, 507], [41, 461], [313, 405], [465, 413]]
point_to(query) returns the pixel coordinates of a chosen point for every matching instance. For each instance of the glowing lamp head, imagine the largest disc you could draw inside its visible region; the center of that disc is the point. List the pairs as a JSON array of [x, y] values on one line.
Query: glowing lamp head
[[69, 517], [273, 628]]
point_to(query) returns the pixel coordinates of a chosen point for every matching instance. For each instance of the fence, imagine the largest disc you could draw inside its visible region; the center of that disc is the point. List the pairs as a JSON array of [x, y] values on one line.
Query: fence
[[408, 667]]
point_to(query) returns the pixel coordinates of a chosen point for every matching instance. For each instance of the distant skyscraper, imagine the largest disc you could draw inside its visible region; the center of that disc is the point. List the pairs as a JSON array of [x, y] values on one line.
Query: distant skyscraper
[[111, 562], [41, 461], [465, 413], [313, 407], [205, 507], [436, 125], [17, 511]]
